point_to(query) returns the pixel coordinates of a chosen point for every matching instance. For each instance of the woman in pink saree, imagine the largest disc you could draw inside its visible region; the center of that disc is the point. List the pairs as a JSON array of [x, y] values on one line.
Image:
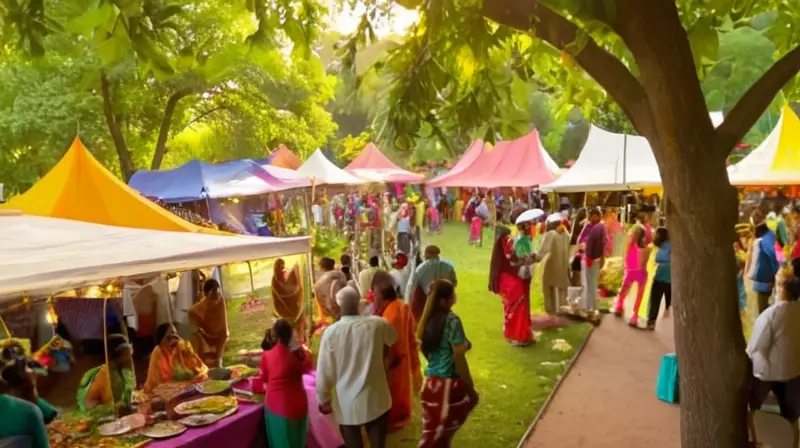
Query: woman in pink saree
[[514, 291]]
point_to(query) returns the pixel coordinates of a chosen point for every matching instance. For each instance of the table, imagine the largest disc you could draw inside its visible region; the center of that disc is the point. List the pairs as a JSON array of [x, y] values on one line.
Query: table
[[244, 429]]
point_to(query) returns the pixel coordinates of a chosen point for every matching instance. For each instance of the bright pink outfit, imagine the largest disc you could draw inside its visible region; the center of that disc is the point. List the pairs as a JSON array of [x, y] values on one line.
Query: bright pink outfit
[[475, 228], [634, 273]]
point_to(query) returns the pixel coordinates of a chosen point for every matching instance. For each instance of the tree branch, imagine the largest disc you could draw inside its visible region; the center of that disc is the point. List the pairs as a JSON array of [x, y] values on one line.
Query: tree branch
[[750, 107], [556, 30], [112, 121], [166, 123], [204, 114]]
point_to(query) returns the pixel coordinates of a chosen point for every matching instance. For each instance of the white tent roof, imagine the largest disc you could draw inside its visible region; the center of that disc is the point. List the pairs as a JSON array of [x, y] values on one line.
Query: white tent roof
[[323, 171], [600, 165], [776, 161], [42, 255]]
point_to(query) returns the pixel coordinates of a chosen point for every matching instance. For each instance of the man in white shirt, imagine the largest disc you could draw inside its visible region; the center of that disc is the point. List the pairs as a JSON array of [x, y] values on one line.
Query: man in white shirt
[[351, 361], [774, 349]]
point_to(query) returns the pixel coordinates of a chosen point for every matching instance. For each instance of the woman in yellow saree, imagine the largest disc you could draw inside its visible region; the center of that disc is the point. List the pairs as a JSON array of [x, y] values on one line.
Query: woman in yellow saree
[[287, 296], [173, 360], [210, 317]]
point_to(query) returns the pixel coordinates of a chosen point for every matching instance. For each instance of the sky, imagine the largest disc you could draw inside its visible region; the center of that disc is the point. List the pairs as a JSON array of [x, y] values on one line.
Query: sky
[[346, 21]]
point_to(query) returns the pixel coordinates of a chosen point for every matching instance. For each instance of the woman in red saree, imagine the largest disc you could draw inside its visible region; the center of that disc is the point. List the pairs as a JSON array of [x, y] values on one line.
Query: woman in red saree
[[515, 292]]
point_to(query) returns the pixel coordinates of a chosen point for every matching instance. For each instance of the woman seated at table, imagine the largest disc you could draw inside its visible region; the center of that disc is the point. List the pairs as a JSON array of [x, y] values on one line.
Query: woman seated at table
[[109, 384], [173, 360]]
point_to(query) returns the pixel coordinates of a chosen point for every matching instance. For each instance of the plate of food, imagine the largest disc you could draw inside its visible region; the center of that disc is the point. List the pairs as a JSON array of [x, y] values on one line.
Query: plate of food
[[164, 430], [213, 404], [198, 420], [242, 371], [123, 425], [131, 441], [73, 428], [214, 387]]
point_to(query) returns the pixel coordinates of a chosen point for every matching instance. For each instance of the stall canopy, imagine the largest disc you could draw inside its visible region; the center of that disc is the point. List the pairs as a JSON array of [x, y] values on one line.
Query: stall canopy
[[283, 157], [323, 172], [514, 163], [548, 161], [80, 188], [465, 161], [776, 161], [196, 180], [49, 255], [610, 162], [372, 165]]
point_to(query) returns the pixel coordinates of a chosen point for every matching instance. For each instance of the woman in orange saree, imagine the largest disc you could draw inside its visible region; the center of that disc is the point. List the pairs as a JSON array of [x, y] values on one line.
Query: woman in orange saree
[[287, 297], [403, 373], [173, 360], [210, 317]]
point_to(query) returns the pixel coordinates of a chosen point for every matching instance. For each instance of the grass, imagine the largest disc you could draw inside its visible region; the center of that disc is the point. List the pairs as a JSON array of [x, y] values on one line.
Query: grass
[[513, 383]]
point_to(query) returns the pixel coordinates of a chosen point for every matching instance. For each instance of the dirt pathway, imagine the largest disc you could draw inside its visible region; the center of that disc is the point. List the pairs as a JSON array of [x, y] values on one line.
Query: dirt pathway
[[608, 399]]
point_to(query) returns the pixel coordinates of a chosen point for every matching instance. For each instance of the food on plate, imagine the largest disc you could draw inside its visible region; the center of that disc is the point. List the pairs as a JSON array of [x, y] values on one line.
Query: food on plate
[[115, 428], [123, 425], [207, 405], [197, 420], [73, 427], [138, 396], [168, 391], [242, 371], [164, 430], [130, 441], [213, 387]]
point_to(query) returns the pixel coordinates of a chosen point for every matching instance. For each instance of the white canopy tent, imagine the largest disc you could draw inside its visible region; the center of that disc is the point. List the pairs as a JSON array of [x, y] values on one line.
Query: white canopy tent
[[46, 255], [610, 162], [324, 172]]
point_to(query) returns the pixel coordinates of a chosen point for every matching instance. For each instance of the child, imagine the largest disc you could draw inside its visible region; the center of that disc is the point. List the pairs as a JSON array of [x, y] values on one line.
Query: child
[[523, 248], [476, 231], [636, 259], [662, 281]]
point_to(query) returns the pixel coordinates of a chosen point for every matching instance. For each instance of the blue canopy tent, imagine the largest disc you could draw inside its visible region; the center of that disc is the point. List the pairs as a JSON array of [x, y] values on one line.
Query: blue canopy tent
[[201, 181], [198, 180]]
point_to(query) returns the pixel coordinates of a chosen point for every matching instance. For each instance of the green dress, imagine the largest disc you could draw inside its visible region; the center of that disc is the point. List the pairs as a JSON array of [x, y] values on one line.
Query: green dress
[[123, 382]]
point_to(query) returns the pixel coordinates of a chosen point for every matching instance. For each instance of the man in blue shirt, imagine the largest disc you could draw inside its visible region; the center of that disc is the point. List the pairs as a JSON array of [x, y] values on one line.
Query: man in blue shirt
[[429, 271]]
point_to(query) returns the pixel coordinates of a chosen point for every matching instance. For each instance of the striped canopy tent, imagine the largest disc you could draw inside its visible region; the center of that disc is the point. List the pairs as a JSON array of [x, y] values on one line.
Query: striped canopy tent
[[776, 161]]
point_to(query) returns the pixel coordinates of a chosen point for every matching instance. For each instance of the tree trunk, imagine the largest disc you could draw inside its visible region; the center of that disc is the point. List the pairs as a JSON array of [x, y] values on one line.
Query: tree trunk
[[123, 153], [708, 332], [714, 372], [166, 124]]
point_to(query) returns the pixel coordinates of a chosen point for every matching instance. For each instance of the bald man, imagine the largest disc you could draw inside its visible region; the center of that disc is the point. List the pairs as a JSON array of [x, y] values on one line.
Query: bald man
[[351, 362]]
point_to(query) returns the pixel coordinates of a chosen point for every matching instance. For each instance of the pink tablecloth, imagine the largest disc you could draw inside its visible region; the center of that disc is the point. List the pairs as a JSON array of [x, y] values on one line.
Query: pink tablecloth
[[241, 430]]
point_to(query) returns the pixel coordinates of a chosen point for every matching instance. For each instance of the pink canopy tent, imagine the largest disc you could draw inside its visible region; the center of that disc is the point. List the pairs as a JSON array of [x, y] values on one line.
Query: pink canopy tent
[[373, 166], [467, 159], [515, 163]]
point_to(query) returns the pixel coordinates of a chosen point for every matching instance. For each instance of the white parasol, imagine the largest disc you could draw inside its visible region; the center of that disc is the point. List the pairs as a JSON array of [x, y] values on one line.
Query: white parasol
[[530, 215]]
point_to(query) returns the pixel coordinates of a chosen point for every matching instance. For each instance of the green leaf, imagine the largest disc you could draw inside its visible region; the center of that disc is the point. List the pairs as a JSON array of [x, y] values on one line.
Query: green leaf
[[704, 41], [218, 64], [86, 23], [130, 8], [147, 50], [114, 49]]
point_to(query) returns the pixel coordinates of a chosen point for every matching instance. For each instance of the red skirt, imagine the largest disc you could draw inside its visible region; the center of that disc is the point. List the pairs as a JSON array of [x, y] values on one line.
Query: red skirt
[[446, 404], [475, 229], [515, 293]]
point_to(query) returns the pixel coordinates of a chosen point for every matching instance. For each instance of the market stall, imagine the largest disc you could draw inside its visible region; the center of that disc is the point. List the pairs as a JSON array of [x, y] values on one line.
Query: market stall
[[46, 255], [324, 172]]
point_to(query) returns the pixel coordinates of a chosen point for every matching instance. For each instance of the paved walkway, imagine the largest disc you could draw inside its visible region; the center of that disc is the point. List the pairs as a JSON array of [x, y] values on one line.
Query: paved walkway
[[608, 399]]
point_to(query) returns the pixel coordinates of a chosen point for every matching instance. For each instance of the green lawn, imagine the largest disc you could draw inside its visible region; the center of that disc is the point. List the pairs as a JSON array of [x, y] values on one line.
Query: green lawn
[[513, 383]]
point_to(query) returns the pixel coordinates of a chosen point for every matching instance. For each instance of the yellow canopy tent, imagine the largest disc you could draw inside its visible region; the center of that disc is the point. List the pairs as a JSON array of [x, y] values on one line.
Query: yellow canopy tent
[[78, 187]]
